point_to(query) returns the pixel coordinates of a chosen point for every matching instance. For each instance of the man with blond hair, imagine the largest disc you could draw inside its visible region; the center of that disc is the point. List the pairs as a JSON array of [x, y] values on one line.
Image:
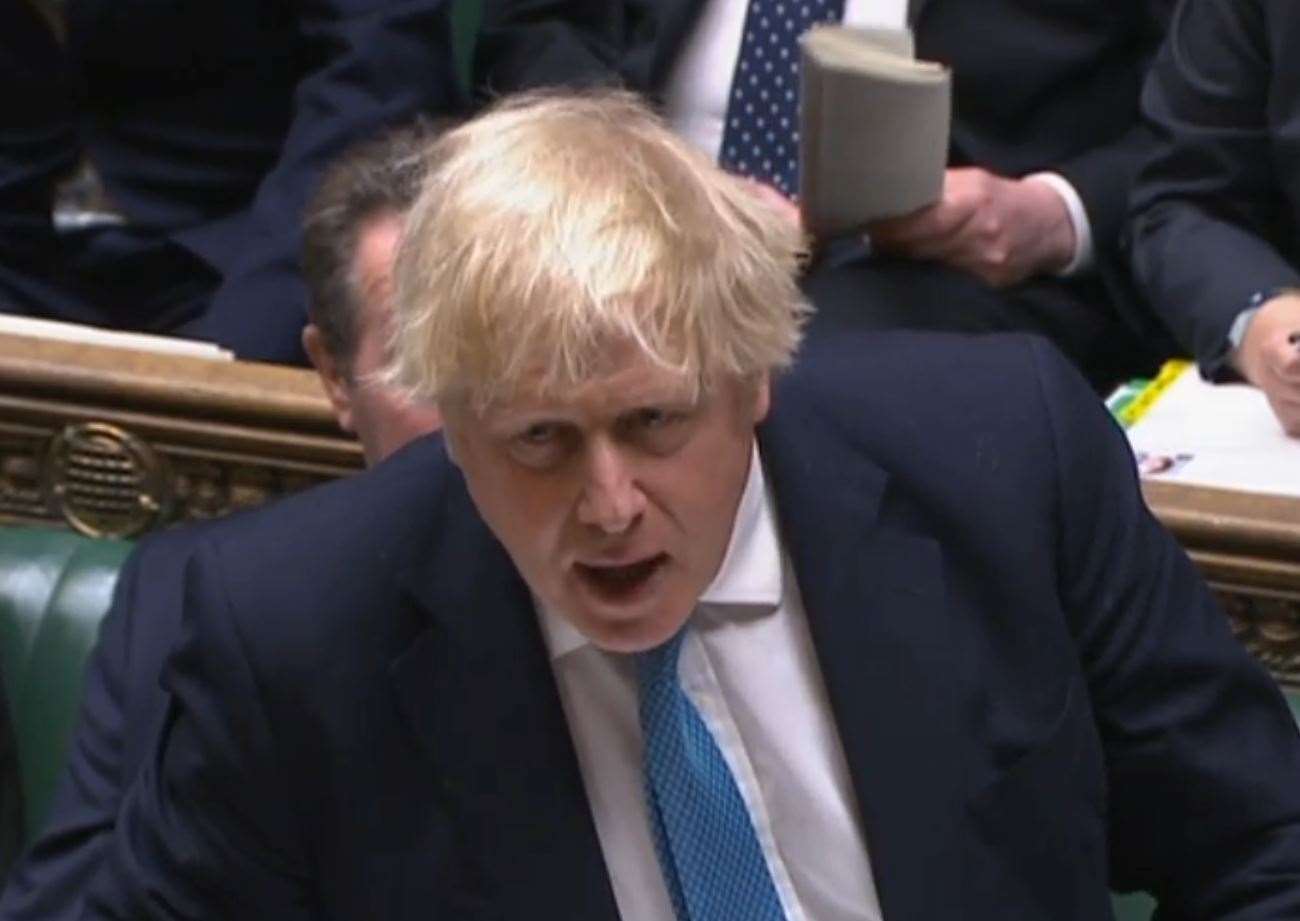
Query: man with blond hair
[[678, 626]]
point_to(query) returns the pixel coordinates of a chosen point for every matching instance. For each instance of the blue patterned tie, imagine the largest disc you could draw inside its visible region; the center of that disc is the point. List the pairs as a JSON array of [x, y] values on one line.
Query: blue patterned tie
[[761, 135], [708, 850]]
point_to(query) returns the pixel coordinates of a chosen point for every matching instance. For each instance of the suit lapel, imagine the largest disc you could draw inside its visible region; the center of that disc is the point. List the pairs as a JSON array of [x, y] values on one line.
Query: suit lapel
[[875, 600], [476, 689]]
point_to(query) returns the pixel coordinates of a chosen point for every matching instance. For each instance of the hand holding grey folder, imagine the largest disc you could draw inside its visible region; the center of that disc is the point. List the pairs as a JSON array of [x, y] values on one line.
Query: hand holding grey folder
[[873, 128]]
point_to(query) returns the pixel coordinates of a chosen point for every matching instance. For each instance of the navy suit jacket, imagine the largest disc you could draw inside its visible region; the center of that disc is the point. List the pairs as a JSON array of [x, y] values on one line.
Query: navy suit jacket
[[1217, 208], [210, 122], [1035, 692]]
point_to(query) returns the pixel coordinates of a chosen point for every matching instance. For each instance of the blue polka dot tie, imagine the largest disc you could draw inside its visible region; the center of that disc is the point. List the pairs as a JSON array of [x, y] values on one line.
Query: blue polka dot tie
[[761, 135], [712, 862]]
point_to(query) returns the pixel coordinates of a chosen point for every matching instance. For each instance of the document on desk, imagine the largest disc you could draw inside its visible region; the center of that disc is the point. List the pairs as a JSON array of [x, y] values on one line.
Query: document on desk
[[1185, 430], [90, 335], [873, 132]]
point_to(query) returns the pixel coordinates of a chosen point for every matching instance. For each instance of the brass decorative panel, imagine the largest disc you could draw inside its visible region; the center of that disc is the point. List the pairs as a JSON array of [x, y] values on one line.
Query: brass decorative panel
[[113, 442], [106, 482]]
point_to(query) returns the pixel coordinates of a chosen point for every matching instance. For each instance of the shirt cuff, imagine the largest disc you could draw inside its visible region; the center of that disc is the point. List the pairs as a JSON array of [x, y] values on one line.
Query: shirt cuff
[[1241, 323], [1082, 258]]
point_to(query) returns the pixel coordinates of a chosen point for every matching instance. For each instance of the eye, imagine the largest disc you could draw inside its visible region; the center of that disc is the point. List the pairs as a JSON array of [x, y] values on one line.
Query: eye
[[541, 445], [539, 433], [658, 429], [652, 417]]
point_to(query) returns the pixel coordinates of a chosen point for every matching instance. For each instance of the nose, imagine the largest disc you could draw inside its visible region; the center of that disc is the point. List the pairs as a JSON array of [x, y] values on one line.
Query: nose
[[611, 499]]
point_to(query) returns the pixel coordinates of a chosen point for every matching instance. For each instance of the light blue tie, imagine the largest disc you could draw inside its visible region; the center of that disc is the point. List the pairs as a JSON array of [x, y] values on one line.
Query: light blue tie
[[708, 850]]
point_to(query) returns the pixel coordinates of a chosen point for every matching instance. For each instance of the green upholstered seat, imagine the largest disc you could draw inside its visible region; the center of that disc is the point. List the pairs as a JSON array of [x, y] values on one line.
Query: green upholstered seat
[[55, 588]]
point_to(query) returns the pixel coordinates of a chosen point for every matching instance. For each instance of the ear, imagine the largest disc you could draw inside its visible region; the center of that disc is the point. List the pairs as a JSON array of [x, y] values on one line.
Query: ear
[[337, 387], [452, 418]]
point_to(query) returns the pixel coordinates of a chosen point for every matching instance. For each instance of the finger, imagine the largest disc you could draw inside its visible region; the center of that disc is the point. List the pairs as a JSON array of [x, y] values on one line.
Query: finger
[[991, 263], [898, 229], [1287, 415], [924, 231], [1275, 376], [1283, 396], [1288, 397], [982, 245], [948, 249], [1284, 360]]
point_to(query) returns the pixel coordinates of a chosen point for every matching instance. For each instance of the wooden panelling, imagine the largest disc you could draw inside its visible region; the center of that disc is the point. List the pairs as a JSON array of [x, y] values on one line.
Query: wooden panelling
[[1248, 547], [115, 442]]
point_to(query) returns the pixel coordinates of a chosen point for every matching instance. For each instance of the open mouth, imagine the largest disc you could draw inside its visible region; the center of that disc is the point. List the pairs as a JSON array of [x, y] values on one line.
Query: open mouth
[[621, 583]]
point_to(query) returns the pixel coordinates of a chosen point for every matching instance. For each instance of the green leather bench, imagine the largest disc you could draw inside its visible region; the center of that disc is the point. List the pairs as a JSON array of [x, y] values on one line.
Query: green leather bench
[[55, 587]]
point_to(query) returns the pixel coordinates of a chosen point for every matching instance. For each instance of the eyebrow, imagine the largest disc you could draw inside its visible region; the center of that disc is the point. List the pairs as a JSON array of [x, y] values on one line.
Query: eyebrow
[[677, 398]]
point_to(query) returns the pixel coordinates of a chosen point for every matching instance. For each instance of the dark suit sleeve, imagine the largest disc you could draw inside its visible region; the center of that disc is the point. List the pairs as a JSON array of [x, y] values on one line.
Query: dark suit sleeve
[[207, 830], [1207, 204], [38, 147], [368, 64], [1103, 174], [1201, 752]]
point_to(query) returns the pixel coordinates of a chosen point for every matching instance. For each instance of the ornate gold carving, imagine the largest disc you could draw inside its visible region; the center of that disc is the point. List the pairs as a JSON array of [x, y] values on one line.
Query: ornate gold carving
[[1270, 628], [114, 441], [105, 482], [21, 494], [205, 489]]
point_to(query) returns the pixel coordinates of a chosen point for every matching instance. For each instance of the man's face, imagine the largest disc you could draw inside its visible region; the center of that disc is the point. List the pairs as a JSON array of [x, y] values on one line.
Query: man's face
[[616, 501], [382, 420]]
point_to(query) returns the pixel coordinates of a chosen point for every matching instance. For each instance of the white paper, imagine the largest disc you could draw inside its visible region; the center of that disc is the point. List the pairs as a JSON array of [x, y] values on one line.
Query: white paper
[[92, 335], [1219, 435]]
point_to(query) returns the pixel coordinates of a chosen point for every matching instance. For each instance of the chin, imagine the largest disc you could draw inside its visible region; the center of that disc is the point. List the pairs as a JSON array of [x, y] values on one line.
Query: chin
[[631, 634]]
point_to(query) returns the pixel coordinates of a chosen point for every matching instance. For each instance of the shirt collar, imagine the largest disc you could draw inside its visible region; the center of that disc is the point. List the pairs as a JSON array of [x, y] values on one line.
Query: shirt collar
[[749, 577]]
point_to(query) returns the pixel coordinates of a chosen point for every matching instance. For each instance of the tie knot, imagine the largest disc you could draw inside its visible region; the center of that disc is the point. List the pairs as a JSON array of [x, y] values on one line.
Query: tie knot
[[658, 665]]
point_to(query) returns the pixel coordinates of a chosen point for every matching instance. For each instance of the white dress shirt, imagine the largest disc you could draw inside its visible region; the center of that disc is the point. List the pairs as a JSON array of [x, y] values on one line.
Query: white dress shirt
[[749, 667], [695, 97]]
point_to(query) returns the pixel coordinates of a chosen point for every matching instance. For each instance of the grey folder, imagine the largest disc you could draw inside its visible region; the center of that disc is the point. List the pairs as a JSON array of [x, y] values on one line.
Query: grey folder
[[873, 128]]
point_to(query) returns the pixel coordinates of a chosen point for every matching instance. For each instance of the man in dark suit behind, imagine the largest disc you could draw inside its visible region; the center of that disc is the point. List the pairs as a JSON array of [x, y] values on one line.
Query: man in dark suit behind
[[664, 631], [1045, 141], [208, 124], [1217, 208], [350, 241]]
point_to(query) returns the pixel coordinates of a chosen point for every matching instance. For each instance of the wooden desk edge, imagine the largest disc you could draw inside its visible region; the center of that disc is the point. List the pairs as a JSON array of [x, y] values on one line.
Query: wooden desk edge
[[198, 387], [1226, 522]]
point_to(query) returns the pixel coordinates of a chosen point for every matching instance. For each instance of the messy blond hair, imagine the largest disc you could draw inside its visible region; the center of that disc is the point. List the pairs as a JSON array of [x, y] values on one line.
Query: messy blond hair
[[556, 224]]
